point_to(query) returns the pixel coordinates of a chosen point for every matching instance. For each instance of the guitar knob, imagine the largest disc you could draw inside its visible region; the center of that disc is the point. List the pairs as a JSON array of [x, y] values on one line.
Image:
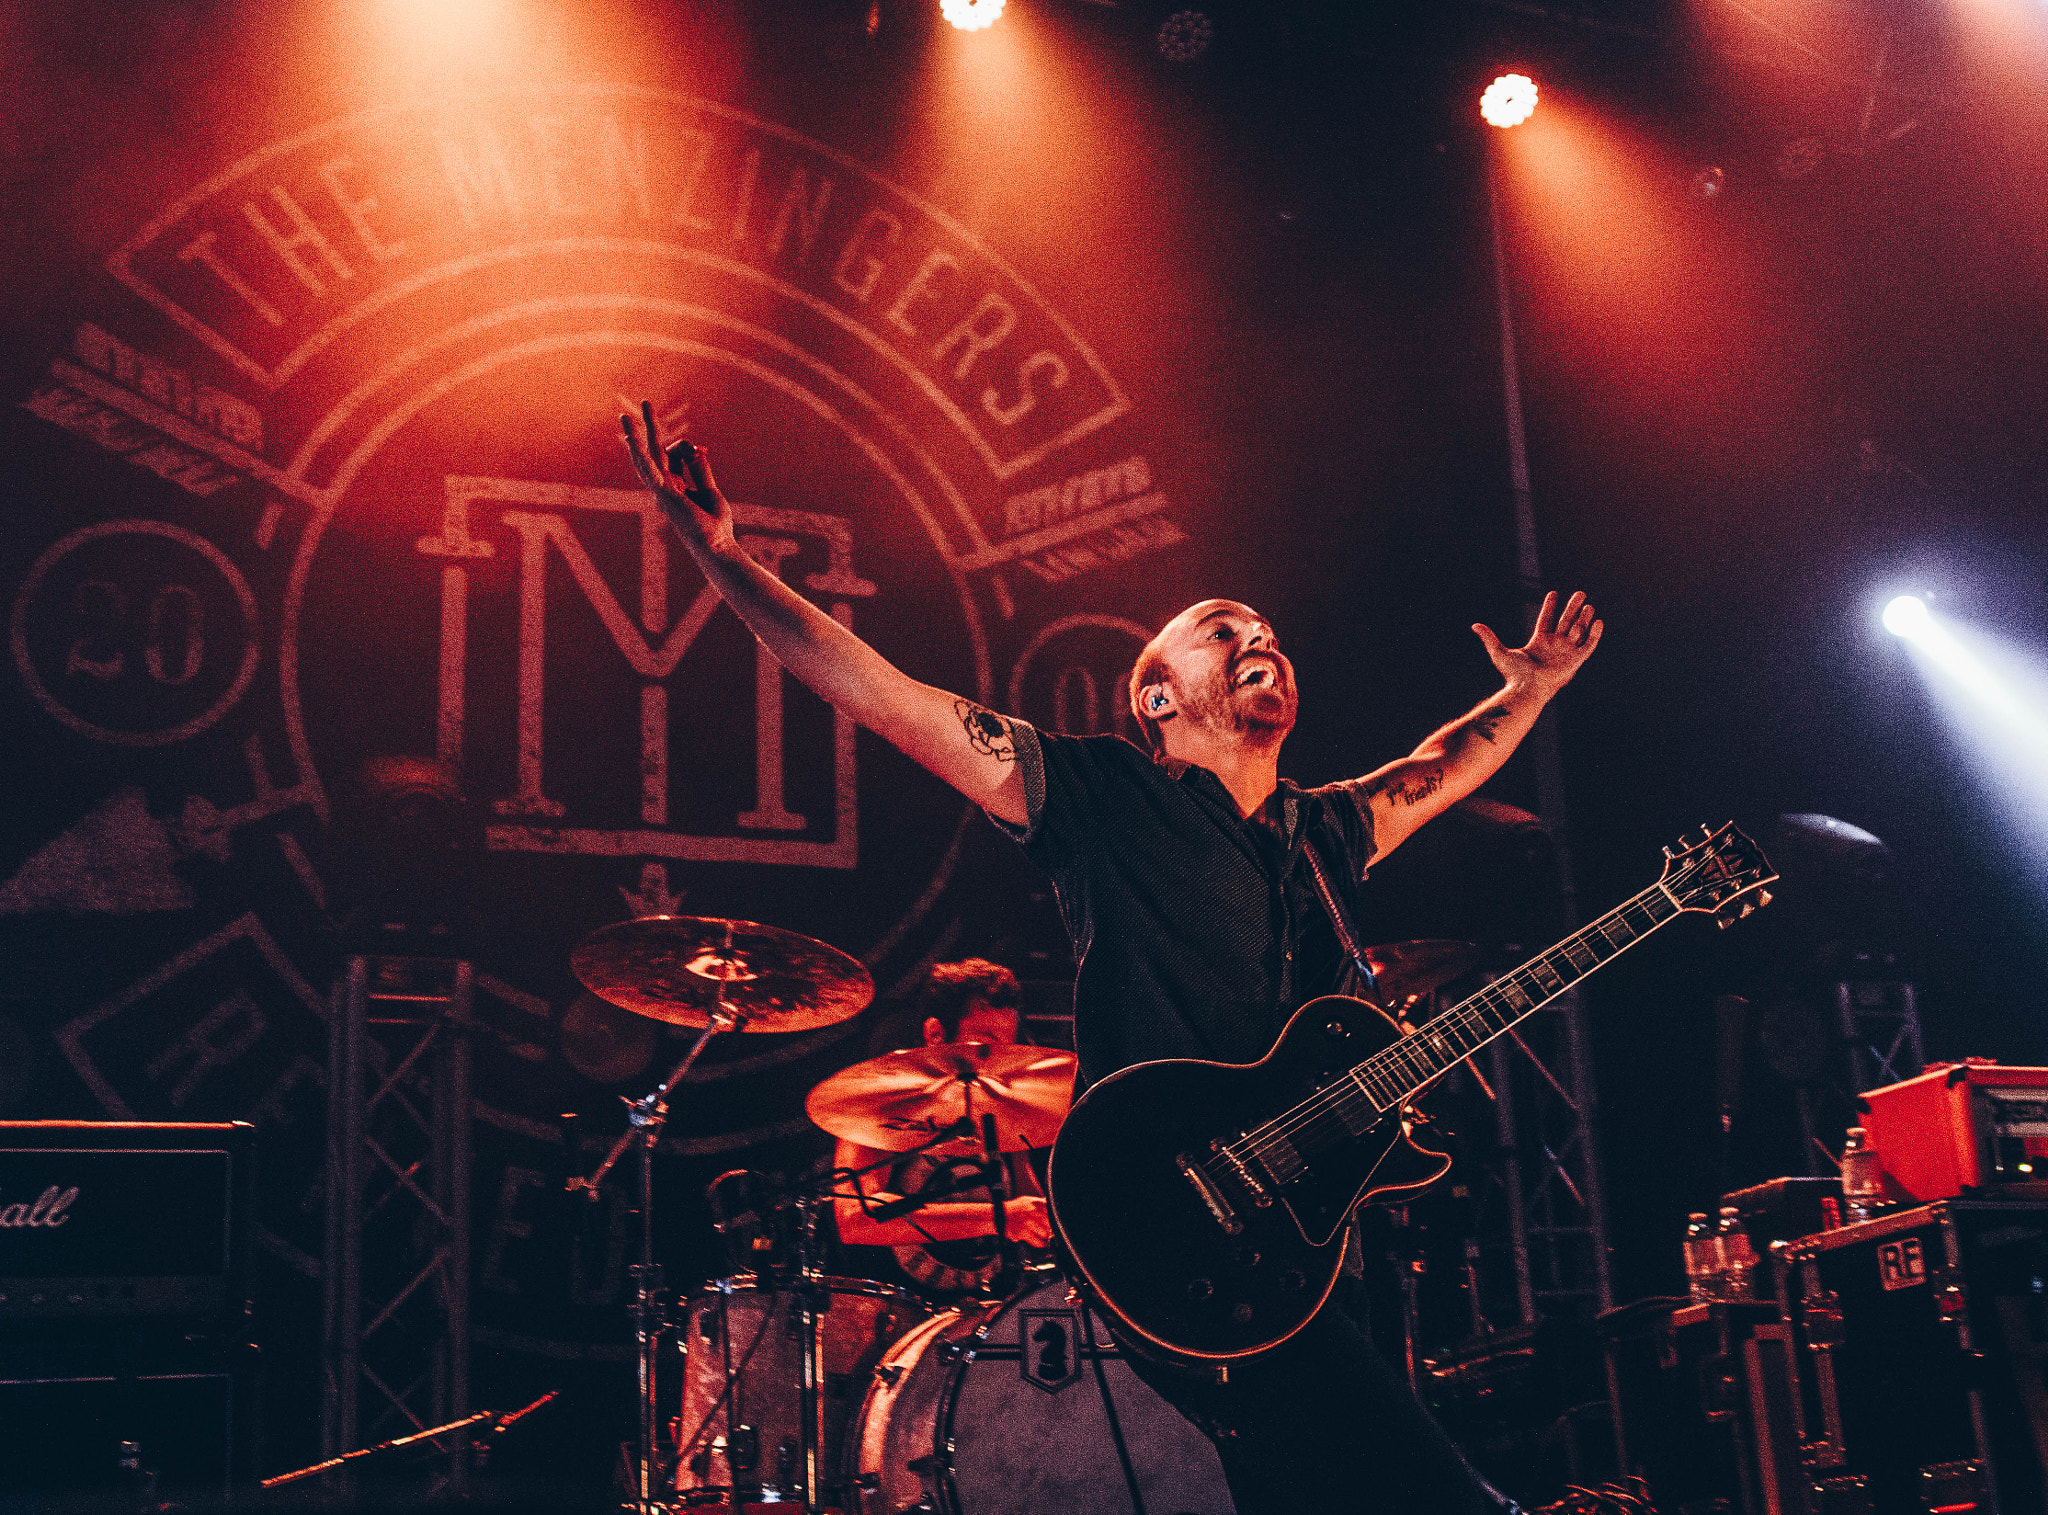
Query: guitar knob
[[1200, 1288], [1242, 1314]]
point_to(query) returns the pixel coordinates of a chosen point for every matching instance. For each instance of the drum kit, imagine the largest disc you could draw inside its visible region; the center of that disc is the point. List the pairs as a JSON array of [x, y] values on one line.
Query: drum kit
[[855, 1395]]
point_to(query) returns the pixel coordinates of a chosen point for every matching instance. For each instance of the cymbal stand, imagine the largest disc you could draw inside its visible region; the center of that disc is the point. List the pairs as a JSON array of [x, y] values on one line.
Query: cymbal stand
[[996, 1174], [645, 1117], [810, 1397]]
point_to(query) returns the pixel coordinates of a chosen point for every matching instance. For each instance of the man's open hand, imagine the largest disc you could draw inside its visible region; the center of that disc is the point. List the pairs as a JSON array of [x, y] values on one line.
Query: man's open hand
[[680, 480], [1561, 642]]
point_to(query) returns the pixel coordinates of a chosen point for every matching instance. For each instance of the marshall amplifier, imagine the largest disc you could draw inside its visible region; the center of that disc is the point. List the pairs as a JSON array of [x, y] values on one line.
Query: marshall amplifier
[[110, 1220]]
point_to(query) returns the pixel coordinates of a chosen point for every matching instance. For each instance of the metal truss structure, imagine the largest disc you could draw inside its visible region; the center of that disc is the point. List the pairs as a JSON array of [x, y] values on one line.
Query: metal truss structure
[[1541, 1212], [396, 1306]]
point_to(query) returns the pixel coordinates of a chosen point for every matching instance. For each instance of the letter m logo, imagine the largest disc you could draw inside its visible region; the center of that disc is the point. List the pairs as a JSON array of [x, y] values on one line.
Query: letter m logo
[[583, 705]]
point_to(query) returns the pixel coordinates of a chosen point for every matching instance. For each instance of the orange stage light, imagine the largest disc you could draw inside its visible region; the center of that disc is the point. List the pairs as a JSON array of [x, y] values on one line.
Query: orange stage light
[[1509, 100]]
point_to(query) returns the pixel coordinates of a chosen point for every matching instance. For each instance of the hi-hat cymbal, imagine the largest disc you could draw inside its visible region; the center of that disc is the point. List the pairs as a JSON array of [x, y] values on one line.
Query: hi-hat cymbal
[[903, 1099], [1405, 971], [672, 967]]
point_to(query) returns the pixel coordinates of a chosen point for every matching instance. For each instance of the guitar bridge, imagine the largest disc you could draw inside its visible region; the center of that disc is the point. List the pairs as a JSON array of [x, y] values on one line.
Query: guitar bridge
[[1245, 1175], [1212, 1197]]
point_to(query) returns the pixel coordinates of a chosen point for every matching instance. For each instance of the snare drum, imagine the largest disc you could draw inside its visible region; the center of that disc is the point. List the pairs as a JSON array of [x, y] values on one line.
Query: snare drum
[[1006, 1410], [749, 1441]]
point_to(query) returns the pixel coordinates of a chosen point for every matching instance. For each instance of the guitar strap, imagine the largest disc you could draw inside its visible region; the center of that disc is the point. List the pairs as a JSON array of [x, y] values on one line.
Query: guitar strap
[[1347, 936]]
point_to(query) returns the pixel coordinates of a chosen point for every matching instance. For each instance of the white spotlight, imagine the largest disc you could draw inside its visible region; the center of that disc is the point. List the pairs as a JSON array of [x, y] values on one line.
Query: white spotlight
[[971, 15], [1509, 100], [1907, 616]]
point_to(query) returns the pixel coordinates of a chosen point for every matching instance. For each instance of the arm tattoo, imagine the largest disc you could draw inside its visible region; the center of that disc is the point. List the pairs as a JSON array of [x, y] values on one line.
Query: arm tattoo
[[987, 732], [1488, 720], [1405, 791]]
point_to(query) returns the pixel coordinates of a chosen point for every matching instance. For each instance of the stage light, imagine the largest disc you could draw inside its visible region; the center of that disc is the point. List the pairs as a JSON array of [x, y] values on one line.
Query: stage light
[[1907, 616], [971, 15], [1993, 696], [1185, 35], [1509, 100]]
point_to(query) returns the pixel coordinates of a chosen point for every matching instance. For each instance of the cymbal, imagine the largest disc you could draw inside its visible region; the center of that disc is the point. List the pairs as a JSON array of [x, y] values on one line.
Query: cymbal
[[671, 967], [1405, 971], [902, 1099]]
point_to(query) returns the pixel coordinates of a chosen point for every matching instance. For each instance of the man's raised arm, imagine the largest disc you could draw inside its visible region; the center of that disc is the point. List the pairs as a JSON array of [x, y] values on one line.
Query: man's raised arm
[[1457, 759], [967, 746]]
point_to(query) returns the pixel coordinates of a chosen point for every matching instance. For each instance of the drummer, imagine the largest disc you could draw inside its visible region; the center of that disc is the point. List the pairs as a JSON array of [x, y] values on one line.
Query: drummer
[[947, 1249]]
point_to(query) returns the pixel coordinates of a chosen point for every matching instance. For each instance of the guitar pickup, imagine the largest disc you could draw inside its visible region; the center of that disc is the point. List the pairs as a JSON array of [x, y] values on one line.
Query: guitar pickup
[[1212, 1197]]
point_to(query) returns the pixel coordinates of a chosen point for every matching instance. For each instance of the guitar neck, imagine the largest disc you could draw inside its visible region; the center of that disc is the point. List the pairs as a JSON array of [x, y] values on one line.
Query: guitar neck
[[1393, 1074]]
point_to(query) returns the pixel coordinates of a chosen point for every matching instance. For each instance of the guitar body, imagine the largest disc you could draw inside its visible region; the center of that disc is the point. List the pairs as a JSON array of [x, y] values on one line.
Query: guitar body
[[1152, 1251], [1202, 1205]]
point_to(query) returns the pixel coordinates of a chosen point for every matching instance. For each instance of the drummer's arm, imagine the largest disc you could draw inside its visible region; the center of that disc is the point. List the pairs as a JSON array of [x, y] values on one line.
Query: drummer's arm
[[964, 744], [942, 1220]]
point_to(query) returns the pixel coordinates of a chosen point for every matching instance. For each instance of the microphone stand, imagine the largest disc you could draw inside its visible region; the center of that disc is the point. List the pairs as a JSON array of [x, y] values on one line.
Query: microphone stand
[[644, 1119], [1010, 1258]]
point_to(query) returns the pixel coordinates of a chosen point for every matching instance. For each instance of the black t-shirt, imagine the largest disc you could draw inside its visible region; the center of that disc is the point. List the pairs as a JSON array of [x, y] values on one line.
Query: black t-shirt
[[1197, 931]]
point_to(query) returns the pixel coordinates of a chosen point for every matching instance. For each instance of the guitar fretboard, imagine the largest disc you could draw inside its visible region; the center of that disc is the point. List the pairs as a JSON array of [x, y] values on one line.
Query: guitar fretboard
[[1391, 1076]]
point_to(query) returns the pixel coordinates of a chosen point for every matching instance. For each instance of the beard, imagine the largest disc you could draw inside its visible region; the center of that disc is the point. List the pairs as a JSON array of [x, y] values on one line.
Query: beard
[[1260, 715], [1264, 715]]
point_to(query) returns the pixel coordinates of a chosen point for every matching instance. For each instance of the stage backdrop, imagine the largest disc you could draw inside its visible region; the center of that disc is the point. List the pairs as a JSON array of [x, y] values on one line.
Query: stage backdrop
[[313, 459]]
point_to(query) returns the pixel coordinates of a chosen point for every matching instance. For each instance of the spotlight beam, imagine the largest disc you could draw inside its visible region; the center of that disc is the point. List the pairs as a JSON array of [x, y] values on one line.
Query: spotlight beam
[[1909, 618]]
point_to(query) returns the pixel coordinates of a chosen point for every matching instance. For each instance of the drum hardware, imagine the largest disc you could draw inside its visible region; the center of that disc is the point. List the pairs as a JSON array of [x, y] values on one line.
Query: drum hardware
[[715, 975]]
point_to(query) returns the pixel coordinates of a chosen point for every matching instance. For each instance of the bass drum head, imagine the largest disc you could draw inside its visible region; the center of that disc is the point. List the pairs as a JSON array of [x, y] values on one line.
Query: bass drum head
[[1023, 1412]]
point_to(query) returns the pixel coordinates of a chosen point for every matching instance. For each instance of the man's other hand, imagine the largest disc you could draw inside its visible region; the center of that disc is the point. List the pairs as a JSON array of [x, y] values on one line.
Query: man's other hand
[[1560, 644], [680, 480]]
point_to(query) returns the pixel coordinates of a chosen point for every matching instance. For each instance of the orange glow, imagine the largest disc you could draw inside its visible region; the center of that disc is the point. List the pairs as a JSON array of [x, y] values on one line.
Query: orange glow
[[1655, 312], [971, 15], [1509, 100]]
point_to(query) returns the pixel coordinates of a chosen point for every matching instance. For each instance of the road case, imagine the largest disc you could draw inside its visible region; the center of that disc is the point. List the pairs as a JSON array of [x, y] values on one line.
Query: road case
[[1920, 1343]]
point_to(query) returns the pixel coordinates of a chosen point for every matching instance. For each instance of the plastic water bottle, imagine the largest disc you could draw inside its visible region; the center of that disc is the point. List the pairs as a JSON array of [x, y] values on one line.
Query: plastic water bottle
[[1862, 1178], [1702, 1258], [1738, 1257]]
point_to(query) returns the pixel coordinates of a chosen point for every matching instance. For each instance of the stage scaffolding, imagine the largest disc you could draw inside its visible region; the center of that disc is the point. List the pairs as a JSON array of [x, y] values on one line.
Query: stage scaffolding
[[396, 1306], [1553, 1196]]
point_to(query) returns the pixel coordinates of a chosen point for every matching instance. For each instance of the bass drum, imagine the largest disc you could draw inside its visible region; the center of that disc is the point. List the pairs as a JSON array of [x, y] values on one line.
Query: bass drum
[[1013, 1409]]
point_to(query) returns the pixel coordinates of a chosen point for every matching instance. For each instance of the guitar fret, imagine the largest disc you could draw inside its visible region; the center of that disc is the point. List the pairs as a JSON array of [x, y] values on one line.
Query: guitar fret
[[1393, 1074]]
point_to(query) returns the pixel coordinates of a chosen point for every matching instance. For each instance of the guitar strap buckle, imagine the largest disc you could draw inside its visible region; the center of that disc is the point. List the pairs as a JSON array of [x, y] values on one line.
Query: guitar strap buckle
[[1340, 918]]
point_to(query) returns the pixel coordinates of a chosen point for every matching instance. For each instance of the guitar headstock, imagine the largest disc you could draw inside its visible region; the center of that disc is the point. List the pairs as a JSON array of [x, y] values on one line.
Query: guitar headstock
[[1719, 873]]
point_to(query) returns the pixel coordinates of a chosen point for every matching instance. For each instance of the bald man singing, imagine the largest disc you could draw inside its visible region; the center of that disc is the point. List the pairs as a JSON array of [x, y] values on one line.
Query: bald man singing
[[1186, 876]]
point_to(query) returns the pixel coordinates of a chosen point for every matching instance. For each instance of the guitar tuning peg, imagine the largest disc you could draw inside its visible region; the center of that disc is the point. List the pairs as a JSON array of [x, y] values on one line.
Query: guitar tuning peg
[[1724, 921], [1763, 898]]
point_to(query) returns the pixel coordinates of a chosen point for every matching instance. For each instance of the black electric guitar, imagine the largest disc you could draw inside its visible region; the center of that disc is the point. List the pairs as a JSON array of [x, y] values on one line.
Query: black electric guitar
[[1203, 1204]]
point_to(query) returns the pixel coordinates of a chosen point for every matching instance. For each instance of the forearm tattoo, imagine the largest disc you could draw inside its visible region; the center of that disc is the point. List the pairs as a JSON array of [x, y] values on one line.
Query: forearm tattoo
[[1406, 791], [1488, 721], [987, 732]]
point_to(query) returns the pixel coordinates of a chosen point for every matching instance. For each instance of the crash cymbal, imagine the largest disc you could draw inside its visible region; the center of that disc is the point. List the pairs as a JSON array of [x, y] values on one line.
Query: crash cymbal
[[902, 1099], [671, 967], [1405, 971]]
